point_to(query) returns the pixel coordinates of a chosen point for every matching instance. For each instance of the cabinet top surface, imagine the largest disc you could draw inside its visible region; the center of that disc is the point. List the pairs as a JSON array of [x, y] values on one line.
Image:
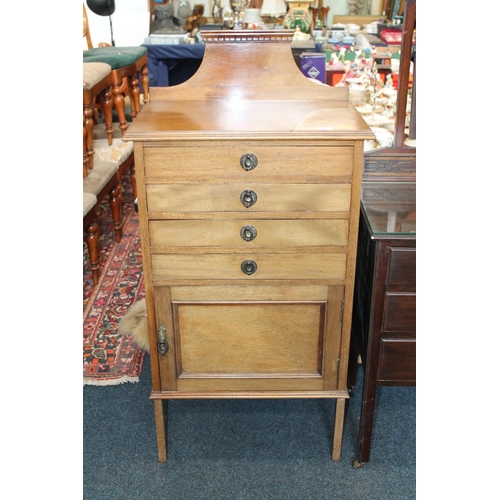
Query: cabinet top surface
[[163, 120], [390, 208]]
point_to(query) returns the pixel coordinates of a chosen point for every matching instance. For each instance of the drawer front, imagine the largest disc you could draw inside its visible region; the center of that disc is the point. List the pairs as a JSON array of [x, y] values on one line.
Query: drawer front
[[400, 313], [402, 266], [272, 163], [268, 266], [398, 361], [188, 198], [248, 233]]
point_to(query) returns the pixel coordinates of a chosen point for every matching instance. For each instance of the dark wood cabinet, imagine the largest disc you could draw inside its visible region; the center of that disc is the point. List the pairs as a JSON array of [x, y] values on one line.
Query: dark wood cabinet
[[384, 309]]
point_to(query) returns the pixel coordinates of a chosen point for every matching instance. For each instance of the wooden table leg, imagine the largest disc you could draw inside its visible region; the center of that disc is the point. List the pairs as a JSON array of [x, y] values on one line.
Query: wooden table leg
[[161, 419], [366, 422], [338, 430]]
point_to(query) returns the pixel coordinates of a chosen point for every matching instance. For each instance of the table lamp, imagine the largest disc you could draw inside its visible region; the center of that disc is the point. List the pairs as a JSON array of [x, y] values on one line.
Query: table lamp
[[103, 8]]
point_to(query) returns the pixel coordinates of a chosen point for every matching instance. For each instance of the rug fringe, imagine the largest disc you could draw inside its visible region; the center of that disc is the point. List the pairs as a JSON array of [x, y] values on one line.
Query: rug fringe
[[114, 381]]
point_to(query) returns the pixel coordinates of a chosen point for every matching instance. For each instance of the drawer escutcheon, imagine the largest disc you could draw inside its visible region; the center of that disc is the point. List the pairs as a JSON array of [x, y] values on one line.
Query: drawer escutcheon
[[248, 198], [248, 233], [248, 161], [249, 266]]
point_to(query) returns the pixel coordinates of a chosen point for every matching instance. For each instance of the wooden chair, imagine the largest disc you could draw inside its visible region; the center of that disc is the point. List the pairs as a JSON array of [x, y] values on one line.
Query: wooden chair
[[127, 63], [103, 181], [118, 152], [96, 88]]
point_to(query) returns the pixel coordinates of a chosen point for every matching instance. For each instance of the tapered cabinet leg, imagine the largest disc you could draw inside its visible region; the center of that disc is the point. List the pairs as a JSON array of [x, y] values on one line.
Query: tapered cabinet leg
[[338, 430], [161, 416]]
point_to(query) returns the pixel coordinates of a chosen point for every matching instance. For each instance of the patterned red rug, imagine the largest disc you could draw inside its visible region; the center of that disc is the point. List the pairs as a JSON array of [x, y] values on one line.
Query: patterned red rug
[[110, 358]]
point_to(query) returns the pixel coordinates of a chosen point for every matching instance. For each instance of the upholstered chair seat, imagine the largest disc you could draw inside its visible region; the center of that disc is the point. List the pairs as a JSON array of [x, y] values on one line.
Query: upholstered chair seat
[[103, 180], [119, 152], [89, 201], [116, 57], [96, 90]]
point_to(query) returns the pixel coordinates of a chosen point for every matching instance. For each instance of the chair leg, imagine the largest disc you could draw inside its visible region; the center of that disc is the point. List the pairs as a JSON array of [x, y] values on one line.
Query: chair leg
[[85, 154], [106, 102], [119, 103], [115, 201], [145, 83], [92, 239], [133, 180], [88, 113], [135, 96]]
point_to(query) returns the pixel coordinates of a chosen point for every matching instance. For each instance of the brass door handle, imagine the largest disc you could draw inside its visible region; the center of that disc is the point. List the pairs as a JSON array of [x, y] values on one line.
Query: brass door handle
[[162, 340]]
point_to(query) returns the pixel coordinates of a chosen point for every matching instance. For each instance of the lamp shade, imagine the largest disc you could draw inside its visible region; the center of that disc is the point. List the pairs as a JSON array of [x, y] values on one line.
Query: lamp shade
[[101, 7], [273, 8], [252, 16]]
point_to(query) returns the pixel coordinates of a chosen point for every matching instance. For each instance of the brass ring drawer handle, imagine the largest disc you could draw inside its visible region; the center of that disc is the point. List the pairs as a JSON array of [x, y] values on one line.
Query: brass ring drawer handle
[[248, 161], [249, 267], [248, 233], [248, 198]]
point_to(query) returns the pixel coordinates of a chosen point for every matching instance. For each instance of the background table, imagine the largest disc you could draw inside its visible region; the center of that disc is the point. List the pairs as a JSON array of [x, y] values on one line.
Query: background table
[[384, 312], [173, 64]]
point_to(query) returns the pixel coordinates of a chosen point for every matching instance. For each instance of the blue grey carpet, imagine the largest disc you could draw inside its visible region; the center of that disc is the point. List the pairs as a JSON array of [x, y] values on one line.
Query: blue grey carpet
[[244, 449]]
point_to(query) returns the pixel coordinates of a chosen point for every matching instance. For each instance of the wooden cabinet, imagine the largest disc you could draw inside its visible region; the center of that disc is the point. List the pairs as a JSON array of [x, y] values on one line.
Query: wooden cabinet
[[384, 317], [248, 180]]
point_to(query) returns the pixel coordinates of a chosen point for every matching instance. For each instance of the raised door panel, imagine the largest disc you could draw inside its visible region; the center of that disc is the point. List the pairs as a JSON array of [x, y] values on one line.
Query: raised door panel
[[259, 339]]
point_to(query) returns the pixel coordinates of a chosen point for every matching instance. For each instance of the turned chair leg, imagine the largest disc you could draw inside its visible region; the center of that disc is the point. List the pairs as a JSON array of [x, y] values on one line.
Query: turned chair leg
[[92, 239], [133, 180], [119, 104], [88, 113], [145, 83], [85, 154], [106, 102], [115, 201], [135, 96]]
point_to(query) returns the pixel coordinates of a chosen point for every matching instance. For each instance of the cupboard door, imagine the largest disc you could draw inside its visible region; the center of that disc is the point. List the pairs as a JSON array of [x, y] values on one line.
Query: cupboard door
[[230, 338]]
